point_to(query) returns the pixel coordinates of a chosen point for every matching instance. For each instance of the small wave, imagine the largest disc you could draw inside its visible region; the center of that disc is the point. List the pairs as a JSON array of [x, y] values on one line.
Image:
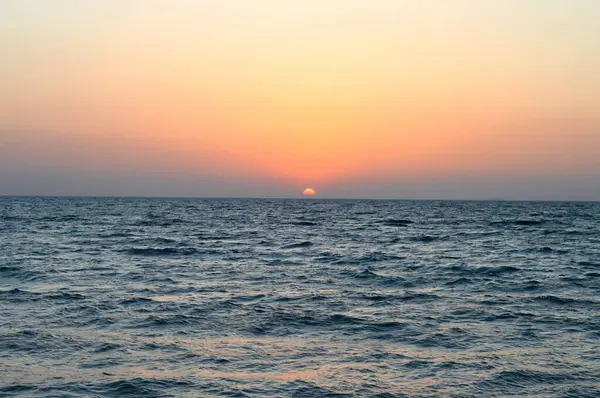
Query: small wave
[[417, 364], [115, 235], [524, 223], [366, 273], [283, 263], [532, 285], [300, 388], [35, 341], [105, 347], [304, 223], [365, 324], [378, 297], [522, 379], [169, 320], [158, 222], [367, 258], [459, 281], [17, 389], [136, 301], [298, 245], [164, 251], [589, 263], [503, 269], [415, 296], [11, 218], [16, 291], [340, 319], [397, 222], [64, 218], [549, 250], [499, 317], [563, 300], [140, 387], [64, 296], [385, 326], [265, 243], [8, 269], [214, 237], [529, 222], [455, 338], [155, 240], [425, 238]]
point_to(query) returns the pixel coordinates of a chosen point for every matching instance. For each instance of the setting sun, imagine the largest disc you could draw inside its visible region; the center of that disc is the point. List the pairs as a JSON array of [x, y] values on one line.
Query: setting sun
[[260, 98], [448, 150]]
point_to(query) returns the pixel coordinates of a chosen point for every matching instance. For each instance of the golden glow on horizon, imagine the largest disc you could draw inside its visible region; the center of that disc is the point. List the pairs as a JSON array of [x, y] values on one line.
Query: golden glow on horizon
[[309, 192], [307, 92]]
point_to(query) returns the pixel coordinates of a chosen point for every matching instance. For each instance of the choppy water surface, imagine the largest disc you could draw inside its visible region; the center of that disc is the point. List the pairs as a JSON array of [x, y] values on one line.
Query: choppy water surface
[[298, 298]]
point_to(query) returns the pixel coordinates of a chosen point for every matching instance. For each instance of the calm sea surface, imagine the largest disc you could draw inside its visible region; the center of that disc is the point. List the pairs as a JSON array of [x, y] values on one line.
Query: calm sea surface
[[298, 298]]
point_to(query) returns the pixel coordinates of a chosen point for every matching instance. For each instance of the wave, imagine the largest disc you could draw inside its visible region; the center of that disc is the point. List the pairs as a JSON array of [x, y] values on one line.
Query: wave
[[215, 237], [36, 341], [64, 296], [420, 297], [161, 251], [16, 291], [378, 297], [550, 250], [154, 240], [299, 245], [503, 269], [17, 389], [9, 269], [365, 259], [552, 299], [532, 285], [589, 263], [426, 238], [115, 235], [304, 223], [459, 281], [135, 301], [521, 379], [158, 222], [523, 223], [366, 273], [455, 338], [106, 347], [63, 218], [397, 222], [141, 387], [169, 320]]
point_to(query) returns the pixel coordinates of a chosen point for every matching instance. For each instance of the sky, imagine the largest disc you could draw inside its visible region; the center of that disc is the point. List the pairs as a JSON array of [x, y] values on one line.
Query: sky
[[432, 99]]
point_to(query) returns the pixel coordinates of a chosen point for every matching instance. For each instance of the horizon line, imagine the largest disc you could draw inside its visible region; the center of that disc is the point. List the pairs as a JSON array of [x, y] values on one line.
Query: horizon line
[[312, 198]]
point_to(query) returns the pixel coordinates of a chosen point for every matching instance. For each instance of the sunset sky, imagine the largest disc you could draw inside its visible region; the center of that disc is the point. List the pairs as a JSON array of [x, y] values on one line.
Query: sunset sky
[[264, 98]]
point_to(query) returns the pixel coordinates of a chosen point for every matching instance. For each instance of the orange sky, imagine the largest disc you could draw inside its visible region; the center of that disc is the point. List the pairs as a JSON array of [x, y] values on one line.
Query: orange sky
[[311, 93]]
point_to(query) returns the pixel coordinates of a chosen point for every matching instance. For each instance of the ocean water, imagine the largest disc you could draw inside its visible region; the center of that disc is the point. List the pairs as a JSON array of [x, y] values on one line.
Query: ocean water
[[298, 298]]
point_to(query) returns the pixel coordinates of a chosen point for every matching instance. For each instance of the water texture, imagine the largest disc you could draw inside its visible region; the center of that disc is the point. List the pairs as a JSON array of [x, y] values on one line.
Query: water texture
[[298, 298]]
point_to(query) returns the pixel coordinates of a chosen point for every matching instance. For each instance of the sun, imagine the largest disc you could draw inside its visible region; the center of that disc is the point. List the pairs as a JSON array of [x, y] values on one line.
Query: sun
[[309, 192]]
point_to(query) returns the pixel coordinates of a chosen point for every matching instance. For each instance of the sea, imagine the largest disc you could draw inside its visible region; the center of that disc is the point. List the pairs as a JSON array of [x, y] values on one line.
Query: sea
[[156, 297]]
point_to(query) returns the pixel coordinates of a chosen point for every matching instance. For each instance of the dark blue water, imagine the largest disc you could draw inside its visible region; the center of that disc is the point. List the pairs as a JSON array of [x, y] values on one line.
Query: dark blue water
[[298, 298]]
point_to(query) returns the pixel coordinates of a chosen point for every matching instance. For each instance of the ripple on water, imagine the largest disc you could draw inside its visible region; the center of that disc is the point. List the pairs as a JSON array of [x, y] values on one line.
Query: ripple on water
[[272, 298]]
